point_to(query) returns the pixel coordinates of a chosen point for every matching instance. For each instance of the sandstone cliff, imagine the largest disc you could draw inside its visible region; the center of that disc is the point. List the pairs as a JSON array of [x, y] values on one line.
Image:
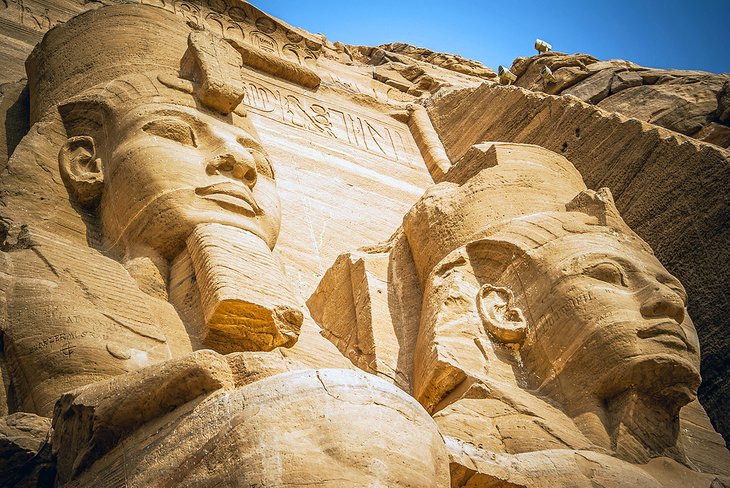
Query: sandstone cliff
[[358, 134], [693, 103]]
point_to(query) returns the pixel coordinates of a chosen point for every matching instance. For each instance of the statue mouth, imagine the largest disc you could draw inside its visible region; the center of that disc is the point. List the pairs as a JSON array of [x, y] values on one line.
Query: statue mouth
[[668, 333], [231, 196]]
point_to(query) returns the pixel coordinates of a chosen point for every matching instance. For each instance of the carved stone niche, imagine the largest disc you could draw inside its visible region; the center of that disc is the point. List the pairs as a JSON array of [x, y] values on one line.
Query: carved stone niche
[[139, 216], [540, 332]]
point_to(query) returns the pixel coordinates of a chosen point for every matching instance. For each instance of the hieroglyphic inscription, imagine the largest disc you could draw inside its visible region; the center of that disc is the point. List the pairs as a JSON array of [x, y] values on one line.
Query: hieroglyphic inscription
[[32, 14], [239, 21], [348, 126], [300, 55], [264, 42], [66, 337], [230, 19]]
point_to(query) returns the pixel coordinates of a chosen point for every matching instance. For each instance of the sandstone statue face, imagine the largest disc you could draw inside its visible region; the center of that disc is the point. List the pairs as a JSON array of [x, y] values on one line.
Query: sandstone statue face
[[611, 318], [170, 167]]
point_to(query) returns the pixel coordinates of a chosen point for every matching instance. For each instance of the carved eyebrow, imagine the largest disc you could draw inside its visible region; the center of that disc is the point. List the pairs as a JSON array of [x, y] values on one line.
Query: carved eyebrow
[[662, 276], [185, 116], [197, 124]]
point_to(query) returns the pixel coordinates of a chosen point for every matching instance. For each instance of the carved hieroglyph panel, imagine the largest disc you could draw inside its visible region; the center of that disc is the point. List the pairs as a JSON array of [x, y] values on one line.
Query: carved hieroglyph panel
[[346, 173], [232, 19], [373, 132]]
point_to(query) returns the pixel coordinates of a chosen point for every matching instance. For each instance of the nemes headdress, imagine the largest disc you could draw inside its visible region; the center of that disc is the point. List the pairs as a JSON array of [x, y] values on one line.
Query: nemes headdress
[[512, 199], [104, 62], [122, 55]]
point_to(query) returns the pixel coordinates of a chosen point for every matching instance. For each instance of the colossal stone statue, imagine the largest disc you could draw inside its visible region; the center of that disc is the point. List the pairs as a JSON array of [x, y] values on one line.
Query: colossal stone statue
[[191, 169], [145, 243], [552, 348]]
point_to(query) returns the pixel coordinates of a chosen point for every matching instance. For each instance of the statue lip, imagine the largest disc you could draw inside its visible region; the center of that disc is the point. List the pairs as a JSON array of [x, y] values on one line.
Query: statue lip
[[671, 329], [231, 195]]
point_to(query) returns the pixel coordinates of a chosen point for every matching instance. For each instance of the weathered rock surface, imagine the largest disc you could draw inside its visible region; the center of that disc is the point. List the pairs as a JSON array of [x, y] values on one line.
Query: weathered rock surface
[[417, 71], [14, 116], [568, 70], [452, 62], [623, 80], [687, 102], [25, 454], [594, 88], [178, 177], [682, 107]]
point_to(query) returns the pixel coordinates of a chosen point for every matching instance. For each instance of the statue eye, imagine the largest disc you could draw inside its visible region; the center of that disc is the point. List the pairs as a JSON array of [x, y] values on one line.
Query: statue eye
[[173, 129], [607, 272]]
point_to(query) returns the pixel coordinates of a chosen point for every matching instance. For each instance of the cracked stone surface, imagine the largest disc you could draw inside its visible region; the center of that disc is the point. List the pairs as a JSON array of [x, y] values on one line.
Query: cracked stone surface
[[235, 253]]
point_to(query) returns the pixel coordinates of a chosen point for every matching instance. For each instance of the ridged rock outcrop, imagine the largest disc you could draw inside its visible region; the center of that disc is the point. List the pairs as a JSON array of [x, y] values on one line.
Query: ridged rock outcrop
[[693, 103]]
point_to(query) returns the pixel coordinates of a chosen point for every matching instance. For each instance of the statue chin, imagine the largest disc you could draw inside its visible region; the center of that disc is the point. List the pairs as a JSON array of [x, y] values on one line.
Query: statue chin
[[671, 380], [670, 377]]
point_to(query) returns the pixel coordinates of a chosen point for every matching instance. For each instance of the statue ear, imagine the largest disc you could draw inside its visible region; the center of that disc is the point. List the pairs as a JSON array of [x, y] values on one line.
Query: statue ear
[[498, 314], [81, 169]]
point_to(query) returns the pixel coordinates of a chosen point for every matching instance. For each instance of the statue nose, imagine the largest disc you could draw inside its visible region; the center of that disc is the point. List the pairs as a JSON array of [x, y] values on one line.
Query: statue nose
[[235, 164], [663, 302]]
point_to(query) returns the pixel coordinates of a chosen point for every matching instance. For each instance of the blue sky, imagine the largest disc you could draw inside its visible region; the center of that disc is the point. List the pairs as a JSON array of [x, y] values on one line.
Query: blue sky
[[661, 34]]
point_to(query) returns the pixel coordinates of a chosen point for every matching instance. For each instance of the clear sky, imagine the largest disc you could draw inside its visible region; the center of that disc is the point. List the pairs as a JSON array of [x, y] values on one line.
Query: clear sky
[[663, 33]]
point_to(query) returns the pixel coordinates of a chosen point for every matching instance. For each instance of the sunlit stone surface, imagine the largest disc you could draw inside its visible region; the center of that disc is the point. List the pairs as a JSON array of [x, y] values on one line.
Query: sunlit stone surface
[[236, 254]]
